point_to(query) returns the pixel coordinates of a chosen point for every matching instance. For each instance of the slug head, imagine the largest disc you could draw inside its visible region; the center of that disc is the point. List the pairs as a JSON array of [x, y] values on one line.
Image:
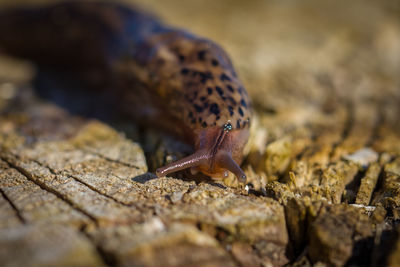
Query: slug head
[[218, 150]]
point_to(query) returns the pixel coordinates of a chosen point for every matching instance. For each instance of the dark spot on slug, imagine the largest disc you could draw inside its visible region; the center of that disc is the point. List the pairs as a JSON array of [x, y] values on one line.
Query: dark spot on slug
[[244, 124], [190, 114], [200, 119], [230, 108], [230, 88], [238, 124], [184, 71], [198, 108], [219, 90], [233, 101], [225, 77], [240, 111], [201, 55], [214, 62], [209, 90], [206, 105], [181, 58], [214, 109], [204, 124], [204, 76], [243, 103], [209, 75], [202, 99], [217, 118]]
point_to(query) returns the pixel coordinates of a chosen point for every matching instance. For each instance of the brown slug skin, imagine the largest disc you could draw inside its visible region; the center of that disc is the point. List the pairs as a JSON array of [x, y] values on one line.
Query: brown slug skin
[[173, 79]]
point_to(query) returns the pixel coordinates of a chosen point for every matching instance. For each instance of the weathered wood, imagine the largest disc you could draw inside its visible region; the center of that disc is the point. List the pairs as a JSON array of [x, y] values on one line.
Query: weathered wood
[[323, 163], [46, 245], [334, 233], [368, 184]]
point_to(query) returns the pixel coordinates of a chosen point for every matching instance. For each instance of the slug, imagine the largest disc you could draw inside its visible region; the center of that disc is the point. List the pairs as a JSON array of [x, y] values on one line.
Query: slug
[[163, 75]]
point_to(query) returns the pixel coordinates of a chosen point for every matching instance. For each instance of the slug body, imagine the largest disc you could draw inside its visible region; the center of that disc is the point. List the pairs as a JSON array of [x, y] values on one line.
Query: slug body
[[167, 76]]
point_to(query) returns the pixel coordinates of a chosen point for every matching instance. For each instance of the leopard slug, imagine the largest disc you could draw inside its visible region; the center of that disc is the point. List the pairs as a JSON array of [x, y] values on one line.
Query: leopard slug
[[164, 75]]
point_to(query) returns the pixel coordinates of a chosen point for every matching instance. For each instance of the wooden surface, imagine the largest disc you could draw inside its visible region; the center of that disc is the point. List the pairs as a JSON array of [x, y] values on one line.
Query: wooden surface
[[323, 161]]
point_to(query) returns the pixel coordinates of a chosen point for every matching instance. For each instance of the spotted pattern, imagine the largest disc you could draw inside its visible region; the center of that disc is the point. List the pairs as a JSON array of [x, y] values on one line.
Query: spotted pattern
[[200, 86], [221, 100], [216, 94]]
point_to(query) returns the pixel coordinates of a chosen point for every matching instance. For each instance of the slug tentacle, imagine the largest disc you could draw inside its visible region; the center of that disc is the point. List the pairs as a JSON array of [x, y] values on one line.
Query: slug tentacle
[[196, 159], [225, 160]]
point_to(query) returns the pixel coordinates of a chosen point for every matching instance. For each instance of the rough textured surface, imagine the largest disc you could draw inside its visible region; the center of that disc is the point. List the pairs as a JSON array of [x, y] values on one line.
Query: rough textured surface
[[46, 245], [335, 232], [323, 161]]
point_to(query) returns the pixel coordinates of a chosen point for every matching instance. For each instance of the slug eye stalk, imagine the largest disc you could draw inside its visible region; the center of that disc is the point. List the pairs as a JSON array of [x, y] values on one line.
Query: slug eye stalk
[[211, 161]]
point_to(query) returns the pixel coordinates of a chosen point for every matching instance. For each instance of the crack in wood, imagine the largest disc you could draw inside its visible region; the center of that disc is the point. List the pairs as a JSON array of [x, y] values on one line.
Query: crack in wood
[[101, 193], [220, 237], [45, 187], [13, 206], [352, 187], [378, 186], [108, 258], [110, 160], [54, 172]]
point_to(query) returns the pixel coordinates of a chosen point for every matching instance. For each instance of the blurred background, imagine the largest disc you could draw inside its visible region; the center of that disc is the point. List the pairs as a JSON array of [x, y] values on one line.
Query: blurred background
[[289, 53]]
